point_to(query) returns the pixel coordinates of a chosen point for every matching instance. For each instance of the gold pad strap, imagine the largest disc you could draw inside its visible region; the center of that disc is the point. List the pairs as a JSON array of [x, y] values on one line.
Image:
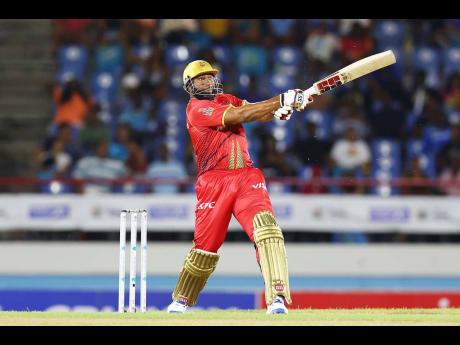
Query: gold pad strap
[[198, 266], [273, 258]]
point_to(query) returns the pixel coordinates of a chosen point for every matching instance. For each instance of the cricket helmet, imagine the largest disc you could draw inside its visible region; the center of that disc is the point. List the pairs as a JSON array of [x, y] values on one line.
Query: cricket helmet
[[195, 69]]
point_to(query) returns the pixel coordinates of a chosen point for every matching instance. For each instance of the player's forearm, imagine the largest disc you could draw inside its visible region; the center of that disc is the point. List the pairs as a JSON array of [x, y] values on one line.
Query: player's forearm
[[260, 111]]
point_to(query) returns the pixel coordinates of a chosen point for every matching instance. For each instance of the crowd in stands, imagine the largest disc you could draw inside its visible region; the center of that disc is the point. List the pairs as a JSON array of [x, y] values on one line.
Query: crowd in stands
[[119, 106]]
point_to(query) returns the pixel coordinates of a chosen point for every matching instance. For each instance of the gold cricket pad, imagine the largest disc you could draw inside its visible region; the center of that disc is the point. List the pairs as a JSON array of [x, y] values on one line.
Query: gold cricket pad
[[198, 266], [272, 254]]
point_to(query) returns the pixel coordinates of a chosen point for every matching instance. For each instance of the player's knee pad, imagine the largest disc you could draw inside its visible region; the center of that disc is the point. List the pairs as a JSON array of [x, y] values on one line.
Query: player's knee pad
[[198, 266], [272, 254]]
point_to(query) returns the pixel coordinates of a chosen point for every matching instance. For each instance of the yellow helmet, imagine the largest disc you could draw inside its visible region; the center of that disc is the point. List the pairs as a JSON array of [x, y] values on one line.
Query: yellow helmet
[[196, 68]]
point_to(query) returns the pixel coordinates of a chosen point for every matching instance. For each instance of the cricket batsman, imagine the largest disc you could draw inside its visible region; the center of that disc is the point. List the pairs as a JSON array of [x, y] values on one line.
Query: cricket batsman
[[228, 183]]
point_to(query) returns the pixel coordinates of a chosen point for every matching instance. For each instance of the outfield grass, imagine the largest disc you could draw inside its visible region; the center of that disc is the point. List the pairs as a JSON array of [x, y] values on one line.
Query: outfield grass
[[305, 317]]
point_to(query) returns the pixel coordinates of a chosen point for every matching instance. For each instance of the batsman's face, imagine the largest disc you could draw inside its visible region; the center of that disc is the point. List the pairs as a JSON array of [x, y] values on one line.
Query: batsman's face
[[203, 82]]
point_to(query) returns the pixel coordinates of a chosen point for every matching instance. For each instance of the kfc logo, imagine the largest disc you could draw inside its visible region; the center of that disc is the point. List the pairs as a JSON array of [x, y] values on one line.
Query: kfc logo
[[205, 205]]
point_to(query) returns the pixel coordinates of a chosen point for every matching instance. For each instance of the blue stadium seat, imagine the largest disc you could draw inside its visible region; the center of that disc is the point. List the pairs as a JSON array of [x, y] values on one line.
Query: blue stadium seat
[[104, 87], [176, 82], [428, 164], [415, 148], [281, 27], [142, 51], [434, 138], [178, 56], [451, 60], [286, 59], [280, 82], [323, 121], [73, 59], [390, 33], [282, 132], [171, 117], [251, 59], [242, 84], [428, 59], [386, 158], [223, 54]]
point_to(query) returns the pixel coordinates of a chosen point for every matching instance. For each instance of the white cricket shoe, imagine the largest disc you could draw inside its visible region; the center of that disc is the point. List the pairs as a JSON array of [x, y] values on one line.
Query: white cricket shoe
[[277, 307], [178, 307]]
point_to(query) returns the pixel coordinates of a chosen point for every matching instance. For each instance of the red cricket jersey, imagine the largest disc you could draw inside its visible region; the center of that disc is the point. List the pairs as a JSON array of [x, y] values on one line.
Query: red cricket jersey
[[216, 146]]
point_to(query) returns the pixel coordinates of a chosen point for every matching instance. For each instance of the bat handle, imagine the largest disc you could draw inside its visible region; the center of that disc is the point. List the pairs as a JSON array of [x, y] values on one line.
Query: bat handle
[[310, 91]]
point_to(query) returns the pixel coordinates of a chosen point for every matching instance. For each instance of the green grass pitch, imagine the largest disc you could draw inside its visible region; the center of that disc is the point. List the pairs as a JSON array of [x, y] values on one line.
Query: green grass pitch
[[305, 317]]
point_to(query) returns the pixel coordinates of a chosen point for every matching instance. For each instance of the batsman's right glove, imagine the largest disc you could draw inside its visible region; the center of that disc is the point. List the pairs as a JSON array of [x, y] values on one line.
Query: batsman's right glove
[[296, 98]]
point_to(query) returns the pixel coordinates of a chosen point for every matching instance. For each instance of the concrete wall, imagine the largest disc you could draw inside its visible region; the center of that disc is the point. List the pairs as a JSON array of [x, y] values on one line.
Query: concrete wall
[[167, 258]]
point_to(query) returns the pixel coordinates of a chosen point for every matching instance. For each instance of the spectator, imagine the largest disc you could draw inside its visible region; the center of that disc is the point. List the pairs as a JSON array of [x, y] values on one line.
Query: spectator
[[139, 31], [245, 31], [387, 120], [321, 45], [271, 161], [452, 94], [136, 163], [165, 167], [414, 173], [312, 152], [311, 149], [69, 141], [125, 149], [350, 158], [136, 109], [283, 32], [93, 131], [437, 131], [449, 151], [357, 44], [119, 148], [176, 31], [217, 29], [350, 114], [99, 166], [72, 103], [450, 175], [73, 31]]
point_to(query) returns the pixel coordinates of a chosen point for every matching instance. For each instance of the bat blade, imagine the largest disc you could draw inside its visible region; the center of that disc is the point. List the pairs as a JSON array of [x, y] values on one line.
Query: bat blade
[[351, 72]]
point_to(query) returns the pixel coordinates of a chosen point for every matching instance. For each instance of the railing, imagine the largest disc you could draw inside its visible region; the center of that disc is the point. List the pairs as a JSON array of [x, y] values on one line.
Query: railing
[[300, 185]]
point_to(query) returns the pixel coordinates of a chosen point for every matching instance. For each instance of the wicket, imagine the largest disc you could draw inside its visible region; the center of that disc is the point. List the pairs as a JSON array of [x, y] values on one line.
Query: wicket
[[133, 265]]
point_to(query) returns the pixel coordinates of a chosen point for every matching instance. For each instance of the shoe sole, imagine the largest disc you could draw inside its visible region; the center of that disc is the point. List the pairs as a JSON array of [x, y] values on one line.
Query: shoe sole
[[278, 311]]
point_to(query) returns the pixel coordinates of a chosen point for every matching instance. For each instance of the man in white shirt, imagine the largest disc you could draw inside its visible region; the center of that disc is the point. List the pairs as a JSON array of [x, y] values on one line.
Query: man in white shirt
[[351, 155], [99, 166]]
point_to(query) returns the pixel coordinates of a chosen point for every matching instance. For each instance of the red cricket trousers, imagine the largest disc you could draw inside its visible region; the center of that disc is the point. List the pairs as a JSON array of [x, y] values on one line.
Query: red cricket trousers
[[221, 193]]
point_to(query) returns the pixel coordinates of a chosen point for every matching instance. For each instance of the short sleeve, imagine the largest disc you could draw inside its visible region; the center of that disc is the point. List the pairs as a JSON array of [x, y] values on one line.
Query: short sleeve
[[207, 114]]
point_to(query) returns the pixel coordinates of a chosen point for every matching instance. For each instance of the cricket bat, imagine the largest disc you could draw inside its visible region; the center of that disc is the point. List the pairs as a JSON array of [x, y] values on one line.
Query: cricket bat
[[351, 72]]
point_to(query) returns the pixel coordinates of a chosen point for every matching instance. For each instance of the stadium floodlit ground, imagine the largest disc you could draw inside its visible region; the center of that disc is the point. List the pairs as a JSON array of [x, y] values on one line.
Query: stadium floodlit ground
[[305, 317]]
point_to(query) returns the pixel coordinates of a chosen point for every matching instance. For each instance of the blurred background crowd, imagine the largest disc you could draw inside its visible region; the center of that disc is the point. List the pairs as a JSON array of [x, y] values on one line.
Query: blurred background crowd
[[118, 106]]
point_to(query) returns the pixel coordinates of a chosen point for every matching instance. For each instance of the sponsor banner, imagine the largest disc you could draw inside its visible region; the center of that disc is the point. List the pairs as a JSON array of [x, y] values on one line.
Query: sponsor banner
[[370, 299], [93, 301], [177, 212]]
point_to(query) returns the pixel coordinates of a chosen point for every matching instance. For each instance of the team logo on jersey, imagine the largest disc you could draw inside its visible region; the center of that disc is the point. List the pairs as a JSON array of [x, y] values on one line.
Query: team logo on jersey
[[206, 111]]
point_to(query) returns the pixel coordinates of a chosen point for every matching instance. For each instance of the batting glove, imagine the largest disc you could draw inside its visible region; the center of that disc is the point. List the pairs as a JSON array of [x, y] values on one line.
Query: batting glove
[[296, 98], [284, 113]]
